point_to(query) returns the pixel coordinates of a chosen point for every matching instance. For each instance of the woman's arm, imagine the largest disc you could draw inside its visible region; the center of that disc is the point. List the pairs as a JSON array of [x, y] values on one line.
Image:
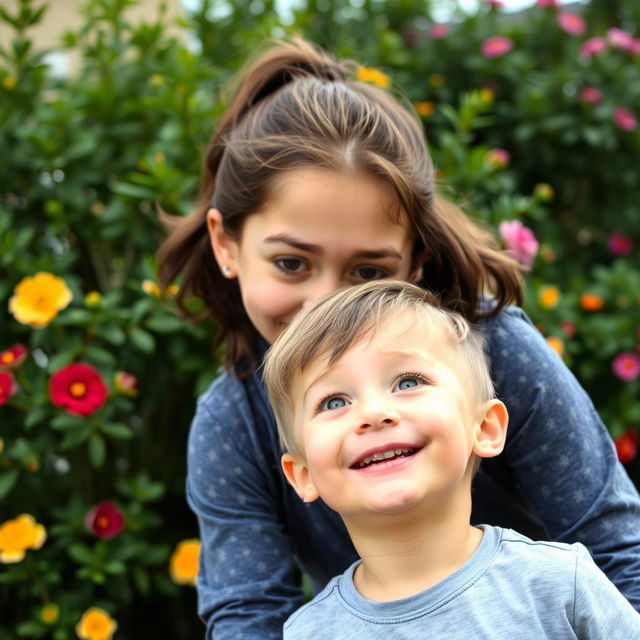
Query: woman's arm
[[246, 585], [560, 455]]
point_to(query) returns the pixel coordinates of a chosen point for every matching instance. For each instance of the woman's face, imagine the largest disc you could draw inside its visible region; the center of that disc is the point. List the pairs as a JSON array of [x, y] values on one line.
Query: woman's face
[[321, 230]]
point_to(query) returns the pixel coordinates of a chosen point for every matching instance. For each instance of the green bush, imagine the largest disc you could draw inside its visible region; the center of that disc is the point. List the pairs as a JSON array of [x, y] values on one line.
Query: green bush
[[90, 158]]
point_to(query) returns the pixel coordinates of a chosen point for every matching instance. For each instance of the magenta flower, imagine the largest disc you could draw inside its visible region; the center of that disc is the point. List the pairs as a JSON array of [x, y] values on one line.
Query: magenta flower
[[620, 244], [519, 240], [496, 46], [620, 39], [624, 119], [626, 366], [495, 4], [571, 23], [592, 46], [498, 157], [635, 47], [548, 3], [438, 31], [590, 95], [105, 520]]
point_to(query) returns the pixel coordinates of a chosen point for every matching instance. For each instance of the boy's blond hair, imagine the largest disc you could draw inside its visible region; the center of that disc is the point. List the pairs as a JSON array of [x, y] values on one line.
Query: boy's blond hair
[[336, 322]]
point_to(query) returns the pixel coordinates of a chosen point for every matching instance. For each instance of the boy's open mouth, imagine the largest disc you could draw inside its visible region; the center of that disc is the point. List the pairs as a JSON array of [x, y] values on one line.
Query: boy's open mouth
[[383, 456]]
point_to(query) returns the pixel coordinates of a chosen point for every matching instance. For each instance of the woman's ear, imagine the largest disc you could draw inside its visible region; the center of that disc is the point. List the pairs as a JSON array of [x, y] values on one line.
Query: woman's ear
[[224, 246], [491, 430], [298, 476], [415, 275]]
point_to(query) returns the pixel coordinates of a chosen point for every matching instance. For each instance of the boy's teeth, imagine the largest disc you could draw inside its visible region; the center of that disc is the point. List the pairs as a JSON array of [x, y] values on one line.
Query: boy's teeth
[[383, 455]]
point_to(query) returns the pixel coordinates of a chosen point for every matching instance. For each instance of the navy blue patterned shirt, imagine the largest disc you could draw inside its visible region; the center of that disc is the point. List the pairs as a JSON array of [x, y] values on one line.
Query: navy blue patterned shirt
[[558, 478]]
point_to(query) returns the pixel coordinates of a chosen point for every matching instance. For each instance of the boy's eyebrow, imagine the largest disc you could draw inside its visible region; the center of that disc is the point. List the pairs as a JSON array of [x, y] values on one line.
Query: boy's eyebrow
[[383, 252]]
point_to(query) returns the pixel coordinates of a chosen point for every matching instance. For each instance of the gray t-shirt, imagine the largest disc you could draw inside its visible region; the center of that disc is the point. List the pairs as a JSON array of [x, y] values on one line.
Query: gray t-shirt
[[512, 587]]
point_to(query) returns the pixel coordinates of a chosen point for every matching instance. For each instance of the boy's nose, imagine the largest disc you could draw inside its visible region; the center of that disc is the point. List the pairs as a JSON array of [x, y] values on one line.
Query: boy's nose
[[379, 417]]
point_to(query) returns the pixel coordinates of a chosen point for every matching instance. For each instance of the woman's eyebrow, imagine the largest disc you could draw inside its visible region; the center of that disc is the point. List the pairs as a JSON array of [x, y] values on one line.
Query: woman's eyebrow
[[383, 252]]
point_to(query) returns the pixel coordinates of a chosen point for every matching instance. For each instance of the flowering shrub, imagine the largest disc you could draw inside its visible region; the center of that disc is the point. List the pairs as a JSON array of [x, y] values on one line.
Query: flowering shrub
[[533, 126]]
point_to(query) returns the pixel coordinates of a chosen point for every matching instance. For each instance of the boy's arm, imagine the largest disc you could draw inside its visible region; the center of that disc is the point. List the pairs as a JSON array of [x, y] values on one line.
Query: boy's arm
[[246, 586], [560, 455], [601, 612]]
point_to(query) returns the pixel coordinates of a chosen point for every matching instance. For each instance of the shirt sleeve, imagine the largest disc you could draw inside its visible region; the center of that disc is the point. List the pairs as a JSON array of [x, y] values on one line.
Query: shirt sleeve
[[600, 611], [559, 453], [246, 582]]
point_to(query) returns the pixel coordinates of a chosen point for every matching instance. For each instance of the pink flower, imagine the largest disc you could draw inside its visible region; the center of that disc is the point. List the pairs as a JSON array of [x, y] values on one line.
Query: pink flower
[[620, 244], [498, 157], [635, 47], [620, 39], [519, 240], [548, 3], [125, 383], [590, 95], [624, 119], [571, 23], [105, 520], [626, 366], [438, 31], [13, 357], [496, 46], [592, 46], [8, 387], [495, 4]]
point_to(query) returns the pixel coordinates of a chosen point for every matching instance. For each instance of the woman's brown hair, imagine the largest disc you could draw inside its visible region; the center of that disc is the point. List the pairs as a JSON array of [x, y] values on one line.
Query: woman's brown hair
[[294, 107]]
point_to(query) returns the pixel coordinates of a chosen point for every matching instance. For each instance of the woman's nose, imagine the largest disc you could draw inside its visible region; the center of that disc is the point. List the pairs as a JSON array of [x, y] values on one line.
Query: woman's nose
[[321, 287]]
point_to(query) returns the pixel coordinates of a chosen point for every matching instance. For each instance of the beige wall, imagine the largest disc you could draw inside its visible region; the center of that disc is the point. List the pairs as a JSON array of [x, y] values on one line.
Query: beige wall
[[63, 15]]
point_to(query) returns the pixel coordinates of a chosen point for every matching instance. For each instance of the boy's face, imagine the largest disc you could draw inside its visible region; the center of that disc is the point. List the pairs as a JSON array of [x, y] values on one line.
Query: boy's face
[[390, 425]]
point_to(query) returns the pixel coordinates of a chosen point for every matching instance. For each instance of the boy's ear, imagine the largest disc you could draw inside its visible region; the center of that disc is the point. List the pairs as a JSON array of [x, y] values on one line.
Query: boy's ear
[[491, 430], [297, 473], [225, 247]]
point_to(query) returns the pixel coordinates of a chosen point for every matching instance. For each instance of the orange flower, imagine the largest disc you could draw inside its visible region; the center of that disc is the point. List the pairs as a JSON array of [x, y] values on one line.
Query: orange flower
[[548, 297], [183, 565], [373, 76], [50, 613], [38, 299], [591, 302], [96, 624], [425, 108], [18, 535], [556, 344], [436, 79]]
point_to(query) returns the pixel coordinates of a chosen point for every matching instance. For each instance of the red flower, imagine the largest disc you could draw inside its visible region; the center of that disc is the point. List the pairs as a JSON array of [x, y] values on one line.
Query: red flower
[[105, 520], [496, 46], [13, 357], [590, 95], [438, 31], [620, 244], [8, 387], [627, 446], [78, 388], [548, 3], [571, 23]]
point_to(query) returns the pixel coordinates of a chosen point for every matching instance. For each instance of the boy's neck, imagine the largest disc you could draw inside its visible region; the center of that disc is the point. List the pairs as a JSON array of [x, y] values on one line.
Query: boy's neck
[[404, 554]]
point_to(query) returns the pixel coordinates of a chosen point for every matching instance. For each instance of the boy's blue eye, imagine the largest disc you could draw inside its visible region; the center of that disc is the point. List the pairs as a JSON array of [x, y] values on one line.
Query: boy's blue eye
[[334, 402], [408, 383]]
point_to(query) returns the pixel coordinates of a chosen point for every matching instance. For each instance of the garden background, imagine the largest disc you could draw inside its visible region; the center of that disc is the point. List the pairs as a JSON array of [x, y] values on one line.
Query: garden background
[[532, 120]]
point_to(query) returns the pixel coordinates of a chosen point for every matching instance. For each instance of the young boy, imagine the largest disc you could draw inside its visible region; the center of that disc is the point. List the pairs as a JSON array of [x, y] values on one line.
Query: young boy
[[385, 408]]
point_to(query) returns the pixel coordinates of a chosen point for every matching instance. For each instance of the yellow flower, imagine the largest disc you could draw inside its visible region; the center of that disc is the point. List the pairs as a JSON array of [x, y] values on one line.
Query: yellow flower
[[18, 535], [151, 288], [373, 76], [156, 79], [50, 613], [93, 299], [183, 565], [556, 344], [436, 80], [38, 299], [543, 192], [425, 108], [8, 82], [548, 297], [1, 445], [487, 95], [96, 624]]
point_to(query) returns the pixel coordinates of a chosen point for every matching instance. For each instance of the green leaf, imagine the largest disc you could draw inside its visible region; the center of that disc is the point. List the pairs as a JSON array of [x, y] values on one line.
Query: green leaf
[[111, 333], [100, 356], [165, 323], [65, 421], [31, 629], [97, 450], [81, 553], [74, 438], [142, 340], [61, 359], [8, 480], [35, 416], [117, 430], [141, 579]]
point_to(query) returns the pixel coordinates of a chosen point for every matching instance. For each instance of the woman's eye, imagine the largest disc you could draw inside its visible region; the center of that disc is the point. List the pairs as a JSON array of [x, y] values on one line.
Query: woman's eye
[[334, 402], [368, 272], [290, 265]]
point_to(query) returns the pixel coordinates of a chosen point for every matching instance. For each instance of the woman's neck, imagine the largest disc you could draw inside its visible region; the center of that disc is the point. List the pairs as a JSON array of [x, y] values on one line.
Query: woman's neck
[[402, 556]]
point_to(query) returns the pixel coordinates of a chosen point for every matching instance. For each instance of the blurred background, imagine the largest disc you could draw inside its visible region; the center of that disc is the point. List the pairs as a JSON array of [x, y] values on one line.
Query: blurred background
[[530, 110]]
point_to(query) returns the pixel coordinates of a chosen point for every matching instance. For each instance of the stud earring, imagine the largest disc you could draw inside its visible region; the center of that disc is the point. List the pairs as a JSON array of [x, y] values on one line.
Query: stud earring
[[226, 272]]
